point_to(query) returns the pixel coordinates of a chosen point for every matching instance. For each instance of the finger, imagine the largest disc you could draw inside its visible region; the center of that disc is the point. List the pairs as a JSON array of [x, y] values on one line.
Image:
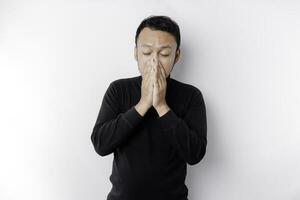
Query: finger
[[157, 74], [154, 76], [161, 75], [163, 72], [145, 70], [158, 80], [154, 69], [148, 69], [150, 76]]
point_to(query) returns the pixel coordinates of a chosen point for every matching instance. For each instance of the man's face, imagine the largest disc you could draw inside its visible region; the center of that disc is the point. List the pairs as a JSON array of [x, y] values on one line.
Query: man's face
[[156, 44]]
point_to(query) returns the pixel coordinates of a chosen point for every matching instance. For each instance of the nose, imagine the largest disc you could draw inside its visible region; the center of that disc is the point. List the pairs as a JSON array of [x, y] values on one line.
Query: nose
[[155, 58]]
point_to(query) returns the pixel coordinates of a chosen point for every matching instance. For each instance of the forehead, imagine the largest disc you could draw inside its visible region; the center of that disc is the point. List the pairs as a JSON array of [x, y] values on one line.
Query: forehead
[[156, 38]]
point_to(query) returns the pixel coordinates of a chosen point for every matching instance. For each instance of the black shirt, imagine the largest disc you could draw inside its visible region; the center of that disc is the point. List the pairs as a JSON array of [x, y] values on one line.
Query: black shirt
[[150, 152]]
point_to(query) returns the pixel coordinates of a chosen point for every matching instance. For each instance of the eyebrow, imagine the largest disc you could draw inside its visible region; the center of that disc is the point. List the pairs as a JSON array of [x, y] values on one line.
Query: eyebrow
[[162, 46]]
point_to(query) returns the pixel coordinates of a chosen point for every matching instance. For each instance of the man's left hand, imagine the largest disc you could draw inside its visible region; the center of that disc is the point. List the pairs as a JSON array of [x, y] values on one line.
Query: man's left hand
[[160, 87]]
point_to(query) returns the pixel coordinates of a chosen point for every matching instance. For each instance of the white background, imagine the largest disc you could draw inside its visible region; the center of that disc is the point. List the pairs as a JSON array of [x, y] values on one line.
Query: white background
[[58, 57]]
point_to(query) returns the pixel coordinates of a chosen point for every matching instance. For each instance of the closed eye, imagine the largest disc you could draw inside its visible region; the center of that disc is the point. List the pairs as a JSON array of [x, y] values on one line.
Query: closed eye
[[164, 55]]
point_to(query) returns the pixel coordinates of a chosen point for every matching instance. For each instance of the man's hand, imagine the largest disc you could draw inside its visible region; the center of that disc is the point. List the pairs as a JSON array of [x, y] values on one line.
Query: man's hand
[[147, 87], [153, 89], [160, 88]]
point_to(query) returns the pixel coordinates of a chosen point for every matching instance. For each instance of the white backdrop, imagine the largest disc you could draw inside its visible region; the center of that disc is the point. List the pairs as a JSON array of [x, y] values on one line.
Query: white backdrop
[[58, 57]]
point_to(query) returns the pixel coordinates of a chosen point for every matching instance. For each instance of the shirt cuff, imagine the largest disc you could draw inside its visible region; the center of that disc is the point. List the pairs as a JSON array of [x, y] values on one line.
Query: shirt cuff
[[168, 120], [132, 116]]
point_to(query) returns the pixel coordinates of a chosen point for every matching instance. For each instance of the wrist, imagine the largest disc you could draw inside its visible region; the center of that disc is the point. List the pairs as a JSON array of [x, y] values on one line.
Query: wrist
[[143, 104], [162, 109]]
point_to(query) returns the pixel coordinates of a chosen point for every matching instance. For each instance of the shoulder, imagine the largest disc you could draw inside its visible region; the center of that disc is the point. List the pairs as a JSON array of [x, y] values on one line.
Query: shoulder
[[121, 86], [123, 81], [187, 88], [118, 83]]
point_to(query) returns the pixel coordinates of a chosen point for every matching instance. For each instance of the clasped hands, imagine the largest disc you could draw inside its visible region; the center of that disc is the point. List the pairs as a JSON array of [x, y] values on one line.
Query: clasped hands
[[154, 86]]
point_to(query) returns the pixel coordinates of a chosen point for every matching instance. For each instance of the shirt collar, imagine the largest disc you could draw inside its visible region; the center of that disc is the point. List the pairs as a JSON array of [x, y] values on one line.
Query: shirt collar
[[168, 79]]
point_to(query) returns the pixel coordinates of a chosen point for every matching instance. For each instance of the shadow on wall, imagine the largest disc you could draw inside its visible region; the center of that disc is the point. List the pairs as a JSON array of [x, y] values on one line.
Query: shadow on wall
[[214, 162]]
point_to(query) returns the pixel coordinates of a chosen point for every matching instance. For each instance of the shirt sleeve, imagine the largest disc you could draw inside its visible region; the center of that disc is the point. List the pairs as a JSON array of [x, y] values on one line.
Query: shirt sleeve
[[188, 135], [113, 127]]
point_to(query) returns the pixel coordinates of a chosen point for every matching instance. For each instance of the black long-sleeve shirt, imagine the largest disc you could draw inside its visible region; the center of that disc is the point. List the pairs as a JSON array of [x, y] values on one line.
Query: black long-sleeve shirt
[[150, 152]]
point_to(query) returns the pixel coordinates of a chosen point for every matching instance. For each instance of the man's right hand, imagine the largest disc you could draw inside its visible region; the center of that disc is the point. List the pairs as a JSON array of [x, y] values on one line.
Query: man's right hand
[[147, 87]]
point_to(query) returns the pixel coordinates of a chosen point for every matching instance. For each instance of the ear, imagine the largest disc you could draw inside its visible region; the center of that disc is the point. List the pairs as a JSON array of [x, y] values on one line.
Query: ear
[[135, 53], [177, 56]]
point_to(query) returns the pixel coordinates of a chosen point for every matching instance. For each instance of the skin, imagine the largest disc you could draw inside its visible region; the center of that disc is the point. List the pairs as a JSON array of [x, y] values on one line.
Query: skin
[[156, 55]]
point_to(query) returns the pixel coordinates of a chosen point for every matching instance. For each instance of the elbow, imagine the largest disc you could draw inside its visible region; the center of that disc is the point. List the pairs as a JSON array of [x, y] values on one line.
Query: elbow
[[100, 149], [103, 152], [196, 158]]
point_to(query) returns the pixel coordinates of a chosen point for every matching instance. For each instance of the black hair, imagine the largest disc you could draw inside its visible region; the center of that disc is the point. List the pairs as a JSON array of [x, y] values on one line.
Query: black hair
[[163, 23]]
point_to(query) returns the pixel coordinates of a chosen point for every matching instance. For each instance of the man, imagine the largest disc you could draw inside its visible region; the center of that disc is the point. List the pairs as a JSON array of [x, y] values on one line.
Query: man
[[153, 124]]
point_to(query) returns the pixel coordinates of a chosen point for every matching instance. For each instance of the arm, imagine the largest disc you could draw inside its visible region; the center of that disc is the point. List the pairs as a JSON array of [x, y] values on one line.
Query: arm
[[112, 127], [188, 134]]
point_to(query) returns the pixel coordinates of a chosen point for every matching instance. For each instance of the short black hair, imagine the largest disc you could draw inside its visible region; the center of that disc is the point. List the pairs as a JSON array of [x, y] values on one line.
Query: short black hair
[[160, 22]]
